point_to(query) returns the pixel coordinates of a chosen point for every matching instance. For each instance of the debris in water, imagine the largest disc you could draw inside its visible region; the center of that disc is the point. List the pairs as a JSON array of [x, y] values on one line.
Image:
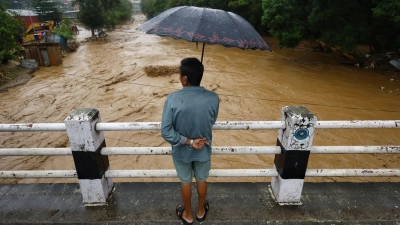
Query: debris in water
[[156, 71]]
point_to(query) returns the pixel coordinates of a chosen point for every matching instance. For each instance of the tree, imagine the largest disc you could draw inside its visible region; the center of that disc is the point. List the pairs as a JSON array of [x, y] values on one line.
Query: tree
[[343, 23], [340, 23], [91, 14], [94, 14], [119, 14], [65, 29], [286, 20], [47, 11], [148, 9], [109, 4], [386, 26], [9, 28], [248, 9], [175, 3], [152, 8]]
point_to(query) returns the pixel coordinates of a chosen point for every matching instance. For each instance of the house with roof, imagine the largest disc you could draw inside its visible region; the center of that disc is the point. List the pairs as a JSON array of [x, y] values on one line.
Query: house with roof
[[28, 16]]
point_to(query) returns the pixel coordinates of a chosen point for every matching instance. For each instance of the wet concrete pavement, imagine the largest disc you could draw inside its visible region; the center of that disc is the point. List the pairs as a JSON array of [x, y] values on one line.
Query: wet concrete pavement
[[230, 203]]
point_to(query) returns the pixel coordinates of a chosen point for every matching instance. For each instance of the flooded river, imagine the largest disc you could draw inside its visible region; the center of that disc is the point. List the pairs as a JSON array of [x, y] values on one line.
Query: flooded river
[[252, 85]]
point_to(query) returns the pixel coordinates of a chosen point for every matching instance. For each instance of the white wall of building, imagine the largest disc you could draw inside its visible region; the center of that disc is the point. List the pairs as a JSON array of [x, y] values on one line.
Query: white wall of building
[[136, 6]]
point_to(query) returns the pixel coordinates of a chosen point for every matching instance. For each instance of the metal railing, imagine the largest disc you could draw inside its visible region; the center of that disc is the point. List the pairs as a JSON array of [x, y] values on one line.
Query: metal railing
[[229, 125], [222, 150]]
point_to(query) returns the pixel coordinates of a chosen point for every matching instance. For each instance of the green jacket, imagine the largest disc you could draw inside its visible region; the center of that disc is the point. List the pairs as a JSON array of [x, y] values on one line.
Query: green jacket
[[189, 113]]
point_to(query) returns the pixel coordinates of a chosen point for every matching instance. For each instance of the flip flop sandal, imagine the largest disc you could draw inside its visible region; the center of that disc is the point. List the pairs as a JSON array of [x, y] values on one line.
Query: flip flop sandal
[[179, 212], [206, 208]]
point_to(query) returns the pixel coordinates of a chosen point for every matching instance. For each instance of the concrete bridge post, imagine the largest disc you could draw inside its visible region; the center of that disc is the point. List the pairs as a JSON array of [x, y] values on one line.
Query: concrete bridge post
[[295, 141], [86, 144]]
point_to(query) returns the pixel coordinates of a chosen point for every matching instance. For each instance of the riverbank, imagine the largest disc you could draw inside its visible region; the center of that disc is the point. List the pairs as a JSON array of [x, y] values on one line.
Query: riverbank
[[13, 75]]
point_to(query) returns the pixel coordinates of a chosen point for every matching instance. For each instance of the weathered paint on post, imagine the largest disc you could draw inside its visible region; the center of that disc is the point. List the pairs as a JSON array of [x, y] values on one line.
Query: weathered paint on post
[[86, 144], [295, 141]]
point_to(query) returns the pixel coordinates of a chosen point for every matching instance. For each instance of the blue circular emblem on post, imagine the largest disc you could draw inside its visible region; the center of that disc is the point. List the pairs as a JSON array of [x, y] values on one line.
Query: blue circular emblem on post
[[301, 134]]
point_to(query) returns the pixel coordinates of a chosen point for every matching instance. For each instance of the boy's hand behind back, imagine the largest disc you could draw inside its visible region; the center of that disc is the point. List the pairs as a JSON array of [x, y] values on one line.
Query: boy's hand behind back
[[199, 143]]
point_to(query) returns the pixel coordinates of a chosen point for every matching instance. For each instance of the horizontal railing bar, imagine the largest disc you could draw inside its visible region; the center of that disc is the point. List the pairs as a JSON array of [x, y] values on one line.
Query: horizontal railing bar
[[353, 173], [248, 125], [229, 125], [172, 173], [213, 173], [219, 125], [358, 124], [140, 173], [128, 126], [136, 151], [355, 150], [258, 173], [232, 150], [39, 174], [228, 150], [35, 151], [244, 173], [32, 127]]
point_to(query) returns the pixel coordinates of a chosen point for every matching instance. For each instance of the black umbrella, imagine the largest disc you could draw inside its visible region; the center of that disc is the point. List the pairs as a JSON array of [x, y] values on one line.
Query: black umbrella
[[211, 26]]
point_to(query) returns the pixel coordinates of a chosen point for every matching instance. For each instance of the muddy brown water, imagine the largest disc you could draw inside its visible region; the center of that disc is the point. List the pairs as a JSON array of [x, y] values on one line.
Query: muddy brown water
[[253, 86]]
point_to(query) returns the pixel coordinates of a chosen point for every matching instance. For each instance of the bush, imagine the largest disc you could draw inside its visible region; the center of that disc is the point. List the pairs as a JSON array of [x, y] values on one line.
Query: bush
[[65, 30], [5, 56], [119, 14], [9, 29]]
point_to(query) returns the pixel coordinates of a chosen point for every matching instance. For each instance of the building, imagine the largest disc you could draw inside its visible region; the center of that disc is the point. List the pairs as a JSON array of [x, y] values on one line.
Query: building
[[71, 14], [136, 6], [28, 16]]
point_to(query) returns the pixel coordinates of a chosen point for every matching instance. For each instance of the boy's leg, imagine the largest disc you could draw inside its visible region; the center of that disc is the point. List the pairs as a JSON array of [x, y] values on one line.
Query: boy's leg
[[202, 194], [201, 172], [186, 191], [184, 172]]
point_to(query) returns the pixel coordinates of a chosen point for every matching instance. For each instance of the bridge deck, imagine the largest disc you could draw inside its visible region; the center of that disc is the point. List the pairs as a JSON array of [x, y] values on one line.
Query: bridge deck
[[230, 203]]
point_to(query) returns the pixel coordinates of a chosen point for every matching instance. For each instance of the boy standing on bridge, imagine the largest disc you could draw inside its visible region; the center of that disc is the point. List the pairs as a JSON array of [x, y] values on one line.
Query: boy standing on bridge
[[187, 121]]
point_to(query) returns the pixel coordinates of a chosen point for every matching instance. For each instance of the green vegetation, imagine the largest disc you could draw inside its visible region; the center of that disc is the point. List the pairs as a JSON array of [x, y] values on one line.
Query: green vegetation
[[46, 11], [91, 14], [119, 14], [343, 23], [249, 9], [104, 12], [96, 14], [9, 33], [65, 29]]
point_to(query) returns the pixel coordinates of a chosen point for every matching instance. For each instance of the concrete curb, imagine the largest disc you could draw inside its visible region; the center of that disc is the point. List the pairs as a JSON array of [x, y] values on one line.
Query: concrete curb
[[230, 203]]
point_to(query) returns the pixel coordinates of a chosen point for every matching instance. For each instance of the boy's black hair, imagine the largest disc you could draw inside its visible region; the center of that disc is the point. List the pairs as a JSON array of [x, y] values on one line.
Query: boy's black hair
[[193, 69]]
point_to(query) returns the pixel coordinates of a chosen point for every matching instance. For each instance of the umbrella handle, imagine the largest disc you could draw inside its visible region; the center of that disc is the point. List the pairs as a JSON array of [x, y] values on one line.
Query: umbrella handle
[[202, 52]]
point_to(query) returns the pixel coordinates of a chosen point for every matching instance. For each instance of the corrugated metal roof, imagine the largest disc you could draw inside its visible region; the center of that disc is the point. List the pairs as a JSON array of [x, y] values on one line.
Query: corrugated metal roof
[[23, 12]]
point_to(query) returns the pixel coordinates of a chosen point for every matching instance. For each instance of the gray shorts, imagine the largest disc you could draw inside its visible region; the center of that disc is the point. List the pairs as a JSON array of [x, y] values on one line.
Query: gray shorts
[[185, 171]]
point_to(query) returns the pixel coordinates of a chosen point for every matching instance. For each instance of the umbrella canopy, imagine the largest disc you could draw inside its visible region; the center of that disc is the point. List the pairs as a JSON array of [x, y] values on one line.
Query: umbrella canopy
[[211, 26]]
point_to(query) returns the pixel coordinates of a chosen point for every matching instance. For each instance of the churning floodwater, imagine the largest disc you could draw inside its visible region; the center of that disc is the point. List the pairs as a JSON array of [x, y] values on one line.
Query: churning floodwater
[[252, 85]]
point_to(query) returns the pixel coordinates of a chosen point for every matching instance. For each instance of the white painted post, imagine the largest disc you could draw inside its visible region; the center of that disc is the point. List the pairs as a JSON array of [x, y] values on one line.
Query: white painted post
[[295, 141], [86, 144]]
